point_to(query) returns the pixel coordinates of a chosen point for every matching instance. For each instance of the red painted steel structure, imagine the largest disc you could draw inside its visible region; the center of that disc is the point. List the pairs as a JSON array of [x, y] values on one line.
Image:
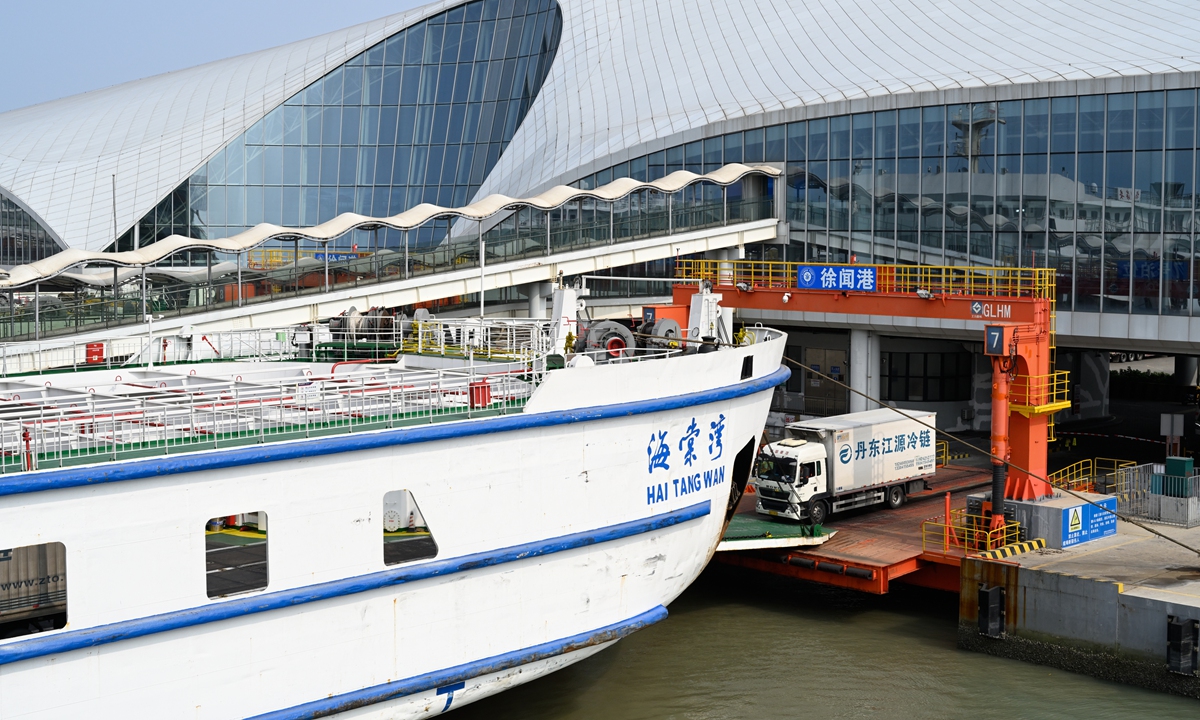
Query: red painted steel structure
[[1025, 390]]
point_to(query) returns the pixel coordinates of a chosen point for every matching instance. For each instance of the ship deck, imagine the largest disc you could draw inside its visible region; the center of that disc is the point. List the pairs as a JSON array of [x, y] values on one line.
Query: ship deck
[[185, 394]]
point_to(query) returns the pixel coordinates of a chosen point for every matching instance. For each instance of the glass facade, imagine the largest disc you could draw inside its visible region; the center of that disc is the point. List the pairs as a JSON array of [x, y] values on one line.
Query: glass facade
[[1099, 187], [422, 116], [22, 238], [926, 377]]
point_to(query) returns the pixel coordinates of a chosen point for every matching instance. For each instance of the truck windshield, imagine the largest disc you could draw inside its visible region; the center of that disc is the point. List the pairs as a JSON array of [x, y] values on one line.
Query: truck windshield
[[776, 469]]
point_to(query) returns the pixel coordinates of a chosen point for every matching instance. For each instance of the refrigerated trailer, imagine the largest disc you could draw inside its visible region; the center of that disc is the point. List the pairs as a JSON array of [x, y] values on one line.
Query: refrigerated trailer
[[829, 465], [33, 588]]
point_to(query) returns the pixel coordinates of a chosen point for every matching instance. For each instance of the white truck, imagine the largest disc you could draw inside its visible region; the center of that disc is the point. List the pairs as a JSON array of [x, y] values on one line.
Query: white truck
[[849, 461]]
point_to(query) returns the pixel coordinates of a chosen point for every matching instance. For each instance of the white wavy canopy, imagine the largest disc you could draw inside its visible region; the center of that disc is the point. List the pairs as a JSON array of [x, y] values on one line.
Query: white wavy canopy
[[555, 197]]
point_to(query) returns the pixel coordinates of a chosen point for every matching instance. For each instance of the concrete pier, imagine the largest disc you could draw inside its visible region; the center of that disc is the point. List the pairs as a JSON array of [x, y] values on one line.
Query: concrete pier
[[1101, 608]]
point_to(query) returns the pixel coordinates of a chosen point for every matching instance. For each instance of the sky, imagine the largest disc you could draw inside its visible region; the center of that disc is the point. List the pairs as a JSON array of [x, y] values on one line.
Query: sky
[[56, 48]]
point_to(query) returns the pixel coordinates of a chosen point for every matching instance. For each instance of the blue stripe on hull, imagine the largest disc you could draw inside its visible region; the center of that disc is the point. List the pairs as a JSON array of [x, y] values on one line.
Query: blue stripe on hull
[[191, 617], [463, 673], [272, 452]]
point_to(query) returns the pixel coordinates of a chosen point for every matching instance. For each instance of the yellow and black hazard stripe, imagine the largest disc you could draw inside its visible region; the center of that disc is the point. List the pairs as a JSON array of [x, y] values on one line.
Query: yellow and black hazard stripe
[[1008, 551]]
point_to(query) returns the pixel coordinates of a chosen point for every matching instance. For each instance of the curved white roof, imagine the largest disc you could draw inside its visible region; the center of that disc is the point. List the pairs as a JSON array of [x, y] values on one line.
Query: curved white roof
[[627, 72], [631, 72], [59, 157]]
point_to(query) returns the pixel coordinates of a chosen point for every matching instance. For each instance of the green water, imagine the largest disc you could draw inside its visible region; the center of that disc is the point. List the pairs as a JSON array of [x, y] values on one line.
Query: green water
[[738, 645]]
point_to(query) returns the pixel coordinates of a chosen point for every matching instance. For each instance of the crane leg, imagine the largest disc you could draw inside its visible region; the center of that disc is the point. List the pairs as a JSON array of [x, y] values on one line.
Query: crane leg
[[1000, 447]]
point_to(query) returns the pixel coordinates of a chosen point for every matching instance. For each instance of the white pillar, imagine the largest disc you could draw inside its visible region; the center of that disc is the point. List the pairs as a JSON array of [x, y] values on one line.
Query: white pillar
[[725, 275], [482, 268], [864, 369], [536, 293]]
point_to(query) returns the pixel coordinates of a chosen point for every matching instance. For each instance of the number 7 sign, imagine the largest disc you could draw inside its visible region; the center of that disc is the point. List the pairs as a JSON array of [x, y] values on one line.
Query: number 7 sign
[[995, 339]]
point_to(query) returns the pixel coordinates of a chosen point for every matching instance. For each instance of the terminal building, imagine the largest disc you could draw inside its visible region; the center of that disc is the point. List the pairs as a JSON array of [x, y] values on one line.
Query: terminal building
[[908, 132]]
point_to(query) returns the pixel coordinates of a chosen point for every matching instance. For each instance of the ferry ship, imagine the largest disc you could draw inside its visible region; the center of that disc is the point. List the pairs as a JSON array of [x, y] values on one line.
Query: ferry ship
[[256, 524]]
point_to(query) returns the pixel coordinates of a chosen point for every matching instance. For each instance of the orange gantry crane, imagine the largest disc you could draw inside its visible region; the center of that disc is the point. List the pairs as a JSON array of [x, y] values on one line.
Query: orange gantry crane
[[1013, 307]]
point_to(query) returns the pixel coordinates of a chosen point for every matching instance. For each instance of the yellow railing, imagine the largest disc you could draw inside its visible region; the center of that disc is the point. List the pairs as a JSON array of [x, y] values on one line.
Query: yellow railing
[[966, 534], [943, 453], [1040, 394], [1082, 476], [935, 279]]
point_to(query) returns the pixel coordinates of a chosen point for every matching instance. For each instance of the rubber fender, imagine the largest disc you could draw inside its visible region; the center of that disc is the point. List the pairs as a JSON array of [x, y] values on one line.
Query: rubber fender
[[860, 573], [831, 567], [801, 562]]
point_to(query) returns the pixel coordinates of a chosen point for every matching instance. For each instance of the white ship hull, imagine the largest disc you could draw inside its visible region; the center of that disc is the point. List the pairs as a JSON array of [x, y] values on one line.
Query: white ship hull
[[556, 536]]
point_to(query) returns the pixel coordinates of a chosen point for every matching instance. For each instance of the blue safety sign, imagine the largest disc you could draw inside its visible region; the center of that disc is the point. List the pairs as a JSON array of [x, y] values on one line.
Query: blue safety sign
[[1082, 523]]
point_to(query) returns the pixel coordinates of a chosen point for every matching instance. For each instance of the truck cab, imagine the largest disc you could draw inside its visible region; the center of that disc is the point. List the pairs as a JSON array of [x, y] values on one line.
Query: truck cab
[[789, 475]]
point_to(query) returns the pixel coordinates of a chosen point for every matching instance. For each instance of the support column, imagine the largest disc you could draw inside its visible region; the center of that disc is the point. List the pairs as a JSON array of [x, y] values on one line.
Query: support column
[[1186, 367], [725, 273], [537, 292], [670, 213], [375, 251], [482, 268], [1000, 452], [864, 369]]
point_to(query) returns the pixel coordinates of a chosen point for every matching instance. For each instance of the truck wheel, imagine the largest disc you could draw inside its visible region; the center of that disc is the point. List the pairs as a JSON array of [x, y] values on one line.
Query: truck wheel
[[894, 496], [817, 512]]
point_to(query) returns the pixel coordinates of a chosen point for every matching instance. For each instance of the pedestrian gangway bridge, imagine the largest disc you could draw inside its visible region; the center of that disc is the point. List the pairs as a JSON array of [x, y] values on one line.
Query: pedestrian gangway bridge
[[270, 276]]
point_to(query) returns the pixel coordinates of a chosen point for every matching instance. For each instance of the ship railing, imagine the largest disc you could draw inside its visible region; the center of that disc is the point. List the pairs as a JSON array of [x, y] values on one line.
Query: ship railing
[[497, 338], [628, 355], [157, 413], [757, 333], [751, 335], [366, 337], [152, 348]]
